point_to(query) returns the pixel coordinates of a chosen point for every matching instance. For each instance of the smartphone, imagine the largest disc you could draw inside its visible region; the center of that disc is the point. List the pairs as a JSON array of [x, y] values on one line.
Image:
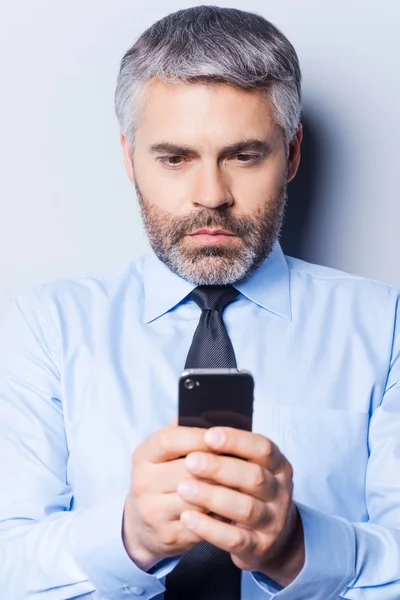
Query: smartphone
[[210, 397]]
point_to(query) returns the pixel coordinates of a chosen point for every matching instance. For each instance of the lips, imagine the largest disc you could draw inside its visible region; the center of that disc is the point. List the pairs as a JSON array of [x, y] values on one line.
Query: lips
[[211, 237], [211, 232]]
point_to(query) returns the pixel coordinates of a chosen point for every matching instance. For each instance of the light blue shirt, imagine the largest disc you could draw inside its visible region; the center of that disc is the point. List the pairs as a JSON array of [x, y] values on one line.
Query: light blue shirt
[[89, 368]]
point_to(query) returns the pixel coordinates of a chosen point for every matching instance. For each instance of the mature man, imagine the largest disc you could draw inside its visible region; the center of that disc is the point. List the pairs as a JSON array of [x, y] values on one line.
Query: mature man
[[103, 495]]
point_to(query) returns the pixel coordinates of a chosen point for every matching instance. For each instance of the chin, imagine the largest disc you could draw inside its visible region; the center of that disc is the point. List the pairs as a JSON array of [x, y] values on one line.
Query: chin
[[211, 265]]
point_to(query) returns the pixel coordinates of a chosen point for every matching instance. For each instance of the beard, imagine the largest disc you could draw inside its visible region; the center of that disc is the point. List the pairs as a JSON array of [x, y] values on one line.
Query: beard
[[218, 264]]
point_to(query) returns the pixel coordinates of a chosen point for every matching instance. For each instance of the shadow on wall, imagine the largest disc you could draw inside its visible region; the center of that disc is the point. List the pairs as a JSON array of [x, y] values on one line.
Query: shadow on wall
[[304, 191]]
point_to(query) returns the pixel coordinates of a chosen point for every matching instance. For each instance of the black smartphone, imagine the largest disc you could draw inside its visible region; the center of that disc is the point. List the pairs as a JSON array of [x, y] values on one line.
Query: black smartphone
[[210, 397]]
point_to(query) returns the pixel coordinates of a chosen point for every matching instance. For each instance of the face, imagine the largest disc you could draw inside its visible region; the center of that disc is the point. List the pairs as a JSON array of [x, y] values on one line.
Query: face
[[210, 168]]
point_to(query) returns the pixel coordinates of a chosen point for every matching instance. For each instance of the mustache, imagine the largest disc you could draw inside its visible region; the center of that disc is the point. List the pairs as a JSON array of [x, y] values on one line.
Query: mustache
[[218, 218]]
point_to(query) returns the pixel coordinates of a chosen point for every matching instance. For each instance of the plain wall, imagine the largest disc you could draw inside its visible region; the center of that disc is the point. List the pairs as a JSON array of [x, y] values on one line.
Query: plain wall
[[66, 205]]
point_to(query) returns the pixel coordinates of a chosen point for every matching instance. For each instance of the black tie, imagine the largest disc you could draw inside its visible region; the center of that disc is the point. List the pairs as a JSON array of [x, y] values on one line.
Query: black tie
[[206, 572]]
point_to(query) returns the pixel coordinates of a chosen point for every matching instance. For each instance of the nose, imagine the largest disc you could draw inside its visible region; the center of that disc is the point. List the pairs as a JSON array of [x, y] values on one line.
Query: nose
[[211, 188]]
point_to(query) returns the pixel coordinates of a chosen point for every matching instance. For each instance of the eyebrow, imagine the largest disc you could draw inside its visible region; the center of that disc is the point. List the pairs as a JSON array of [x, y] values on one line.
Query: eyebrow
[[251, 145]]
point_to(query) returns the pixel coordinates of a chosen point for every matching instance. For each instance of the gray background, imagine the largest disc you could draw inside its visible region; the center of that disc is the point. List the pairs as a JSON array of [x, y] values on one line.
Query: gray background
[[66, 205]]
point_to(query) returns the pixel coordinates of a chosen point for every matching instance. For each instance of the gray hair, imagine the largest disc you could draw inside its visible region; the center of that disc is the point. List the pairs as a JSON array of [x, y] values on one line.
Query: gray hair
[[209, 43]]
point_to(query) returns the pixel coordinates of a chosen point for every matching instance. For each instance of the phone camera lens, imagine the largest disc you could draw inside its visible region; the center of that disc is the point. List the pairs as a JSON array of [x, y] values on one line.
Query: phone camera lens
[[189, 384]]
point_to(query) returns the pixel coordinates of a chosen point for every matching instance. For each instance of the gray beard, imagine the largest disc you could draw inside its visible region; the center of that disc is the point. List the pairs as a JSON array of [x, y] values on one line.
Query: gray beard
[[217, 264]]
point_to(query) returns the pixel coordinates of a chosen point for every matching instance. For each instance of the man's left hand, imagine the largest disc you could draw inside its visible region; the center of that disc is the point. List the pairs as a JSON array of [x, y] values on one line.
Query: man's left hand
[[251, 490]]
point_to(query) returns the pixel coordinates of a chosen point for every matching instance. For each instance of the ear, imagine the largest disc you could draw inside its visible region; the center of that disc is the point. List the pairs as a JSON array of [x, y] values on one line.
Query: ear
[[294, 153], [126, 149]]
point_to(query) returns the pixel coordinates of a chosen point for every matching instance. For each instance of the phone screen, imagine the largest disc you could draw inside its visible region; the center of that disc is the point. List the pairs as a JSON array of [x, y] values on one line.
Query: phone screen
[[210, 397]]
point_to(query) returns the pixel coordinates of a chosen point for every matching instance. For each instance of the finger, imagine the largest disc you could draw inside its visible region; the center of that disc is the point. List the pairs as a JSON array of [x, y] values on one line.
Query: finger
[[227, 503], [170, 443], [247, 445], [160, 517], [174, 422], [160, 478], [232, 472], [231, 538], [157, 509]]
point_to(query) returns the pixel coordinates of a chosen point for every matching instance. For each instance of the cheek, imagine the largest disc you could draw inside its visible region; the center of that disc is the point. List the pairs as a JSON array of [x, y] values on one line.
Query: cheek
[[252, 189], [159, 187]]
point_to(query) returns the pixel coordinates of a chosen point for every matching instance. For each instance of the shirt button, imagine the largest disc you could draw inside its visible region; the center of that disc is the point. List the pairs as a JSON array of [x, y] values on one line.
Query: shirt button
[[137, 591]]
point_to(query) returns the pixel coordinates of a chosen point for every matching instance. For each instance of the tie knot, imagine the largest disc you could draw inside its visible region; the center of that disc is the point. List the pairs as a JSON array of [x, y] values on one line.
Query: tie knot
[[214, 297]]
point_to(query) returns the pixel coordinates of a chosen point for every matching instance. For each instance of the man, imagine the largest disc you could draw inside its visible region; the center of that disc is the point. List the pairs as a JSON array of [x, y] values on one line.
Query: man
[[103, 495]]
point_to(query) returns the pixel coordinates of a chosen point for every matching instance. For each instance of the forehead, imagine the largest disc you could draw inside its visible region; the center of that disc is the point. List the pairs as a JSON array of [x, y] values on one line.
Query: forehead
[[204, 112]]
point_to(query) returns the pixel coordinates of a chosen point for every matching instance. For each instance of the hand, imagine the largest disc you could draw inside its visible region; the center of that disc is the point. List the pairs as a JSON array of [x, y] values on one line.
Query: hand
[[152, 529], [252, 493]]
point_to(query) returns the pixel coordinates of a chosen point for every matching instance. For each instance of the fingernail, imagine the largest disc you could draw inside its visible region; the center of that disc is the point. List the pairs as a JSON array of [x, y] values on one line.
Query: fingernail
[[189, 518], [195, 462], [187, 488], [214, 437]]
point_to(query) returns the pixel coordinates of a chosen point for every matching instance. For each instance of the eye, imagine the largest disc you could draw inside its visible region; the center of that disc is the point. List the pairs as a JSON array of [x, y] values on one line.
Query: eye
[[172, 160], [242, 157]]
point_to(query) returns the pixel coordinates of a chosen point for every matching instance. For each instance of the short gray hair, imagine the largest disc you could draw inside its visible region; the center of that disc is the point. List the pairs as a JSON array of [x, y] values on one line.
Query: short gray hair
[[210, 43]]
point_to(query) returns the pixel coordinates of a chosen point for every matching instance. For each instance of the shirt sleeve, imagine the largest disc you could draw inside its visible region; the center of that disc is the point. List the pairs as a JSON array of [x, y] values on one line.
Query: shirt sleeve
[[47, 550], [358, 561]]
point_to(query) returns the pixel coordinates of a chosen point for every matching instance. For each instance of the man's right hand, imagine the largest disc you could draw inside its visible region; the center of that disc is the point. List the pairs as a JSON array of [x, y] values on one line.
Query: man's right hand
[[152, 529]]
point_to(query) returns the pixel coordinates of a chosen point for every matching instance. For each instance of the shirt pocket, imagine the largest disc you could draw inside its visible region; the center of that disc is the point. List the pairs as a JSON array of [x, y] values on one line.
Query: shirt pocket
[[328, 450]]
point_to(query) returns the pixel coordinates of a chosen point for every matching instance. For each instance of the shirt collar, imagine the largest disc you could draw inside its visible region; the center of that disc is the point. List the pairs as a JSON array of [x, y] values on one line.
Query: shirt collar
[[268, 286]]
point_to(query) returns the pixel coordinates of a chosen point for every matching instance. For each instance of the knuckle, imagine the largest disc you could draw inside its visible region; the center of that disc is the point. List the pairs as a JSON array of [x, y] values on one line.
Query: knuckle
[[267, 447], [286, 491], [289, 470], [162, 439], [249, 510], [238, 543], [286, 499], [261, 547], [264, 449], [212, 465], [141, 483], [136, 456], [169, 537], [138, 487], [147, 511], [259, 477]]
